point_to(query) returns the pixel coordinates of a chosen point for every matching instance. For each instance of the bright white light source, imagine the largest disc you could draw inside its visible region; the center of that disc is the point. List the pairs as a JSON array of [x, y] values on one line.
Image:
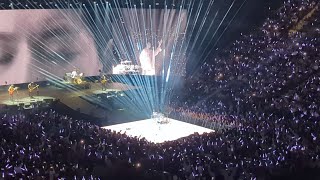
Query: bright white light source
[[158, 133]]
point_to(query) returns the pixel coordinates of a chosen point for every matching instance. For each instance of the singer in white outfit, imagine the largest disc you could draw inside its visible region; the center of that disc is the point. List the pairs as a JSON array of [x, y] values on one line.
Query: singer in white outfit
[[147, 59]]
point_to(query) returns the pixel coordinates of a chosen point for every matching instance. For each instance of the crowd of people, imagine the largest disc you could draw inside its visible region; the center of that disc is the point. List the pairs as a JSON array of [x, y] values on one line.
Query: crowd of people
[[47, 145], [269, 80], [266, 85], [216, 122], [259, 66]]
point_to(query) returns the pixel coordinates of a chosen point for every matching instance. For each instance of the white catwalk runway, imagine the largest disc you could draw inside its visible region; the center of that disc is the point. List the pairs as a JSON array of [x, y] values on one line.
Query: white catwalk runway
[[158, 133]]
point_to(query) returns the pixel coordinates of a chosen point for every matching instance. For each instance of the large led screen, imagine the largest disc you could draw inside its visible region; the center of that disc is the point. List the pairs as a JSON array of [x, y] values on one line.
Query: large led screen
[[150, 41], [40, 44]]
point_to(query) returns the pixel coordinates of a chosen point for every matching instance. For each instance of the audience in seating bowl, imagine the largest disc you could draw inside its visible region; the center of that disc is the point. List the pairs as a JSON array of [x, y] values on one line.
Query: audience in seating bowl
[[265, 87]]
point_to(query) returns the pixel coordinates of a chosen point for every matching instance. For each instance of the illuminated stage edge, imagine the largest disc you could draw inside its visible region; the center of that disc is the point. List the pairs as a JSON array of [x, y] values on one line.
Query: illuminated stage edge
[[156, 132]]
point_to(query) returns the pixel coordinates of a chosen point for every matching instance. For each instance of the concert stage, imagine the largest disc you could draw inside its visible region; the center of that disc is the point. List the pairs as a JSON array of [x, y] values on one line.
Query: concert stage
[[75, 99], [27, 101], [158, 133]]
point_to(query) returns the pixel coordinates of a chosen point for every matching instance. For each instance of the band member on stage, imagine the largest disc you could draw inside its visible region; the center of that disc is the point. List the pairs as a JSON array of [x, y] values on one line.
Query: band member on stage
[[76, 76], [74, 73], [147, 59], [11, 91], [31, 87], [104, 81]]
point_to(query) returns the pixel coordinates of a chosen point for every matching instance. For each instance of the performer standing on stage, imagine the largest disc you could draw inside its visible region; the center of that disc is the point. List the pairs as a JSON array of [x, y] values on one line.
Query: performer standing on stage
[[31, 87], [74, 73], [147, 59], [104, 81], [11, 91]]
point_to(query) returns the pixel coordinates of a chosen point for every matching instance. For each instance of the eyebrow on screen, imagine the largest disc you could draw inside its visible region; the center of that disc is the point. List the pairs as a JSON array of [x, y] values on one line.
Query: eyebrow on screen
[[7, 36], [57, 31], [6, 59]]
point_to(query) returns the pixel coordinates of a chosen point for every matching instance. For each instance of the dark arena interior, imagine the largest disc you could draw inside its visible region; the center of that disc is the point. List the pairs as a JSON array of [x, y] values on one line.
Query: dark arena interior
[[160, 89]]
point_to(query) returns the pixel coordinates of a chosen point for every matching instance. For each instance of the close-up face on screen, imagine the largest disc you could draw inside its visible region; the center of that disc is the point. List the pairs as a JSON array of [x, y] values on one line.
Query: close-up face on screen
[[153, 39], [38, 44]]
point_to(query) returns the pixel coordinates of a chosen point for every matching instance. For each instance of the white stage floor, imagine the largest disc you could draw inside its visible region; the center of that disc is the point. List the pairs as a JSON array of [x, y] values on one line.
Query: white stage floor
[[158, 133]]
